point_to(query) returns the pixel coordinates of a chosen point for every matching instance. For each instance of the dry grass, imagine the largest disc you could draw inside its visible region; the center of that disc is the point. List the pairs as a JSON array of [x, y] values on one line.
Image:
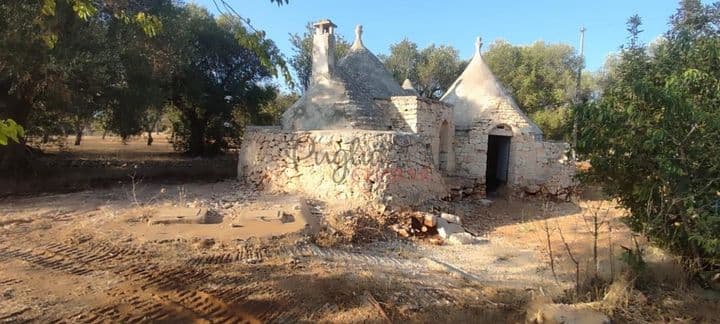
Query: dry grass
[[101, 162]]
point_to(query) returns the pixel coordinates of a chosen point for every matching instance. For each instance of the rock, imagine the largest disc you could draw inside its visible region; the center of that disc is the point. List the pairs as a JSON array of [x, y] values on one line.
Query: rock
[[715, 281], [460, 239], [445, 228], [532, 189], [287, 218], [486, 202], [451, 218], [429, 220], [399, 230]]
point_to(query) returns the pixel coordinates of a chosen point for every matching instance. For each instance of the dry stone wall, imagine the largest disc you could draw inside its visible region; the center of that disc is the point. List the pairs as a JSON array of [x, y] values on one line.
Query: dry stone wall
[[431, 119], [358, 167], [535, 167]]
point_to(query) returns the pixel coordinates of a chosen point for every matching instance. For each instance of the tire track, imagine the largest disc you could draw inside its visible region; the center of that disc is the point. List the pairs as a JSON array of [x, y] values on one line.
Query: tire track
[[46, 260], [249, 255]]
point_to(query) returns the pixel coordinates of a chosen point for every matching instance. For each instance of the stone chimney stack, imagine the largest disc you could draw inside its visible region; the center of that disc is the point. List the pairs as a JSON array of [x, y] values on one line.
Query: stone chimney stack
[[323, 52]]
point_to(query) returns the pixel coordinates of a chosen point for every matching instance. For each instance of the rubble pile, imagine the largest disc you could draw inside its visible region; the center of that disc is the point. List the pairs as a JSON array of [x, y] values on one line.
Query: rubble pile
[[438, 227]]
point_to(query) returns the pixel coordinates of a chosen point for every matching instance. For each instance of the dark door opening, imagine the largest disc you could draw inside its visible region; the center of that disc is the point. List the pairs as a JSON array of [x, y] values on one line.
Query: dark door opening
[[498, 159]]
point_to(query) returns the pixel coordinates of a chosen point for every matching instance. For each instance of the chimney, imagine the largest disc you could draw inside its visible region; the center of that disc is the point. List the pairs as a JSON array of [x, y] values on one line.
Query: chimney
[[323, 52]]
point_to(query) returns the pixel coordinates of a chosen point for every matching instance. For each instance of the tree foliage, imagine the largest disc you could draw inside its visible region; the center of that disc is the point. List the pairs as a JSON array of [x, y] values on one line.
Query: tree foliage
[[652, 137], [212, 77], [540, 76], [431, 70], [65, 64]]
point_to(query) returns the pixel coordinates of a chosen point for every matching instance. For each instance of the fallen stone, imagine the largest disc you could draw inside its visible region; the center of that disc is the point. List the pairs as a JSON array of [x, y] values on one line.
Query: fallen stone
[[399, 230], [445, 228], [429, 220], [451, 218], [486, 202], [460, 239], [287, 218], [532, 189]]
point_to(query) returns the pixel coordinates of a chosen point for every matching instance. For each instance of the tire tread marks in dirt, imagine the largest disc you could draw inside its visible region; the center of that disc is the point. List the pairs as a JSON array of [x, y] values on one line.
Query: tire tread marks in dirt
[[47, 260], [170, 307], [248, 254]]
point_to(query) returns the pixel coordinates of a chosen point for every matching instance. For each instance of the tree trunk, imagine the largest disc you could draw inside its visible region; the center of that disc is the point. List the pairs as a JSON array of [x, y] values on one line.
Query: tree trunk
[[78, 136], [196, 138], [150, 139], [104, 134], [45, 138]]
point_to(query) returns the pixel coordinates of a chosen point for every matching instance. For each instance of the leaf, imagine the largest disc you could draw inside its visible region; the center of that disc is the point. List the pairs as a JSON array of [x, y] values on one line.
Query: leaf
[[48, 8], [50, 39]]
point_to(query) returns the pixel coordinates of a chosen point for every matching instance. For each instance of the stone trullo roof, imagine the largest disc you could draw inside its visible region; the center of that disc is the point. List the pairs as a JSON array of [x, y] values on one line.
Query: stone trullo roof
[[409, 88], [345, 98], [477, 95]]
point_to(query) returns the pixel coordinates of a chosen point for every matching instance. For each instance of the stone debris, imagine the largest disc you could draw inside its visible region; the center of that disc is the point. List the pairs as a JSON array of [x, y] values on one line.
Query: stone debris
[[429, 220], [451, 218], [445, 228], [460, 239], [486, 202], [287, 218], [437, 228]]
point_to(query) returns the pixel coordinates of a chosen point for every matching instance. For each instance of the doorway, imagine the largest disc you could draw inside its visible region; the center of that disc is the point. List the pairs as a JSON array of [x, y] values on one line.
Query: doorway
[[498, 160]]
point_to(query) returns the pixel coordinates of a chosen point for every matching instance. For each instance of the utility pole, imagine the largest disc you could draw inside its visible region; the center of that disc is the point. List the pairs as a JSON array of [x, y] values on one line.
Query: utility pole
[[577, 91]]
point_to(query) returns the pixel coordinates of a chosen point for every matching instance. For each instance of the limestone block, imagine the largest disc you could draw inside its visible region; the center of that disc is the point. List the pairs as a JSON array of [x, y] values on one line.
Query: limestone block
[[445, 228], [460, 239], [451, 218]]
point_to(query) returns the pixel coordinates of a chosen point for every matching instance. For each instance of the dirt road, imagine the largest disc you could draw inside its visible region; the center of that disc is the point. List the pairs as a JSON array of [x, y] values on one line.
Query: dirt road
[[103, 256]]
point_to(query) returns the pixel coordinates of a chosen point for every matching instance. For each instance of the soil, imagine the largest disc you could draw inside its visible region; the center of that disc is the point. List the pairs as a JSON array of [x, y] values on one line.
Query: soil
[[97, 256]]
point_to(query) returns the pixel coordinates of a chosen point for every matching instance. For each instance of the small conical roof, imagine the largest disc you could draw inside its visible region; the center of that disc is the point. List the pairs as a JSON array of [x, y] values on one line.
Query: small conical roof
[[477, 94], [409, 88], [362, 70]]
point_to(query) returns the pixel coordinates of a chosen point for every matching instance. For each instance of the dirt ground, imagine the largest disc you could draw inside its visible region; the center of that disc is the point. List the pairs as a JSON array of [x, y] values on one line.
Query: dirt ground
[[107, 255]]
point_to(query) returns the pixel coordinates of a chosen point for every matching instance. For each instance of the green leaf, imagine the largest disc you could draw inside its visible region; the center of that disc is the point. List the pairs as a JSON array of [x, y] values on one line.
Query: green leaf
[[48, 8]]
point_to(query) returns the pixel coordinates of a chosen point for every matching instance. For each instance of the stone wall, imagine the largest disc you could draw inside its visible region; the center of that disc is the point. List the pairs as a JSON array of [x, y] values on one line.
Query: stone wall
[[535, 167], [547, 171], [359, 168], [431, 119]]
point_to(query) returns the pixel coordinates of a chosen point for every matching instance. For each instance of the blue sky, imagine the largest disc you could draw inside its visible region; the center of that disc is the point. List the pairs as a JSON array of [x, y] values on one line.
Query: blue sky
[[457, 23]]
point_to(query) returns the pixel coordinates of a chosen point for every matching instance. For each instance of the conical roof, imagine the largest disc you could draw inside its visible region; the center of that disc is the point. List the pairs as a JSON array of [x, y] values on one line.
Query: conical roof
[[346, 99], [409, 88], [363, 71], [477, 95]]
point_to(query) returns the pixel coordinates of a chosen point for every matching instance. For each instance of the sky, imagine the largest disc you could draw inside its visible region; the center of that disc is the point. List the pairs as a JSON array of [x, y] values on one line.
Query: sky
[[459, 22]]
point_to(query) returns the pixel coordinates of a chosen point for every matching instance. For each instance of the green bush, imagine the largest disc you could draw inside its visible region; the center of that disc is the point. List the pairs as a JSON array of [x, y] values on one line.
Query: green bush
[[652, 139]]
